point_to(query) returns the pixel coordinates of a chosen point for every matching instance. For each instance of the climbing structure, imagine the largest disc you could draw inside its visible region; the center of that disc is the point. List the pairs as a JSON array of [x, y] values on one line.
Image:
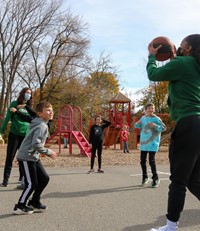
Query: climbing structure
[[119, 114], [70, 125]]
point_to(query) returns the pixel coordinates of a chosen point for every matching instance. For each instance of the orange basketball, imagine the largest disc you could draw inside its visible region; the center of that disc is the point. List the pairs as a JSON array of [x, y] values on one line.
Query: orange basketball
[[167, 49]]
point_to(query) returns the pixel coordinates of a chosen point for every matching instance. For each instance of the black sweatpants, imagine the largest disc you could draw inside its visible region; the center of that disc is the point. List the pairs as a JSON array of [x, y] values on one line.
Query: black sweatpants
[[98, 147], [14, 143], [184, 156], [152, 163], [36, 179]]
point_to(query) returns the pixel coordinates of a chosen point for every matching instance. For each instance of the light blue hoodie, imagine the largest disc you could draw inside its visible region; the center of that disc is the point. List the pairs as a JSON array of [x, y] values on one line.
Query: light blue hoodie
[[150, 137], [33, 144]]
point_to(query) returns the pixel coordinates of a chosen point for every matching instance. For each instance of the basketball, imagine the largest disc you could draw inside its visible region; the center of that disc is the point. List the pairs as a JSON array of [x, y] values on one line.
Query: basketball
[[167, 49]]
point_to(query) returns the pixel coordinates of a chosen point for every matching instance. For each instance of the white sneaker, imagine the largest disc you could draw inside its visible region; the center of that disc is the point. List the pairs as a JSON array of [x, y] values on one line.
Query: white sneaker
[[171, 226], [163, 228]]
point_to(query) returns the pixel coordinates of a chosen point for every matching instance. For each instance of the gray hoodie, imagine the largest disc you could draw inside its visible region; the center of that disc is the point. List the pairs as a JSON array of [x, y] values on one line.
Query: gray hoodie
[[33, 144]]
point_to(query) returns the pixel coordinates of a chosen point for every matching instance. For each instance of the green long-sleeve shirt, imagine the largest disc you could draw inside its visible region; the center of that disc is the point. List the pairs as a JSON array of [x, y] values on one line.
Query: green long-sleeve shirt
[[18, 126], [183, 74]]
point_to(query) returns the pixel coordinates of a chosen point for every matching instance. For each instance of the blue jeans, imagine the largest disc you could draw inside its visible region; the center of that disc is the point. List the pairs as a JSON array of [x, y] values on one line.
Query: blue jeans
[[126, 146]]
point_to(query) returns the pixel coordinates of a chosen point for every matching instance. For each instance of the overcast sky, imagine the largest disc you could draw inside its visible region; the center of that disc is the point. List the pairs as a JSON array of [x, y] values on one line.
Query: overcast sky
[[124, 28]]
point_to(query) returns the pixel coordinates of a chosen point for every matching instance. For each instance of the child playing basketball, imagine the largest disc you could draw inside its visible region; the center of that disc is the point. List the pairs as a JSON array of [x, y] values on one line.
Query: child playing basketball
[[35, 176], [96, 141], [151, 127]]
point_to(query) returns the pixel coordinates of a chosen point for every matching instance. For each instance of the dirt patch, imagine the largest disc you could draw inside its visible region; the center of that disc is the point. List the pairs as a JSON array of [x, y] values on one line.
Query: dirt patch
[[109, 157]]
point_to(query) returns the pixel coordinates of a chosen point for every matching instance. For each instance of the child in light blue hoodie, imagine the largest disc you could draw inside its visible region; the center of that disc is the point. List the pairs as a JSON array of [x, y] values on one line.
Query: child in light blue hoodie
[[151, 127]]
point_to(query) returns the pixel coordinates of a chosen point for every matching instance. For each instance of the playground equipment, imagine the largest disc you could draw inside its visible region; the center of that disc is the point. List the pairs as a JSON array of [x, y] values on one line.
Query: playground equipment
[[70, 124], [119, 114]]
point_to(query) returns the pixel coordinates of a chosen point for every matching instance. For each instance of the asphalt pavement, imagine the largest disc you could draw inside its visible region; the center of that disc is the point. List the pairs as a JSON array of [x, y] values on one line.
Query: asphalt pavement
[[113, 201]]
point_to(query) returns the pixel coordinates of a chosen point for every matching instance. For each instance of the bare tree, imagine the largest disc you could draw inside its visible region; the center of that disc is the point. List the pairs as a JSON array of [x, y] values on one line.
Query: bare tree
[[59, 54], [42, 44], [22, 22]]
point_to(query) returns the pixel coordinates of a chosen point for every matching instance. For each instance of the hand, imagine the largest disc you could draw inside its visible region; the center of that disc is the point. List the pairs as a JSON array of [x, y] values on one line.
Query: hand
[[1, 136], [13, 109], [174, 53], [90, 145], [21, 106], [152, 50], [2, 140], [152, 125], [53, 155]]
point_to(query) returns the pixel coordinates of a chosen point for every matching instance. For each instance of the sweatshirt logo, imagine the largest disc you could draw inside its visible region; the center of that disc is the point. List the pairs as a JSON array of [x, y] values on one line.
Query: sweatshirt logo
[[98, 131], [150, 133]]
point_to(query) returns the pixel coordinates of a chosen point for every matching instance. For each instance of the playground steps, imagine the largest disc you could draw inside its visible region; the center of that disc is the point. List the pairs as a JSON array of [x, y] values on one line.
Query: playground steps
[[82, 143], [53, 139]]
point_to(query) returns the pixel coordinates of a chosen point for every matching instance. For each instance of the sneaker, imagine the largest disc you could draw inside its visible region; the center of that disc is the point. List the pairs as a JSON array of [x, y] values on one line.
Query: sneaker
[[145, 181], [163, 228], [37, 207], [171, 226], [22, 209], [155, 183], [100, 171], [21, 186], [3, 184], [91, 171]]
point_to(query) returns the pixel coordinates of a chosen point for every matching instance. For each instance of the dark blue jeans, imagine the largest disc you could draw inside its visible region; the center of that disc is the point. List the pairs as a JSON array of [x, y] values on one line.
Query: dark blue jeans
[[125, 146], [184, 156]]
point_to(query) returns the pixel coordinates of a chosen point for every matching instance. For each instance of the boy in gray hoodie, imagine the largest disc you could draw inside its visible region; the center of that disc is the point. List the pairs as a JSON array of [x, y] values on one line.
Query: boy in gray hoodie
[[36, 178]]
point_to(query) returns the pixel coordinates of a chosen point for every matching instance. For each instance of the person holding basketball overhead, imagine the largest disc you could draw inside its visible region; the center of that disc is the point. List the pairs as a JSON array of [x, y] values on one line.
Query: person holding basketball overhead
[[183, 74]]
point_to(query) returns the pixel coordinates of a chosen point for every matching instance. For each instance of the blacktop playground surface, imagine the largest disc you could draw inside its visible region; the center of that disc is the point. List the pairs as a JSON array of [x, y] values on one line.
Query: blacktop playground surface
[[113, 201]]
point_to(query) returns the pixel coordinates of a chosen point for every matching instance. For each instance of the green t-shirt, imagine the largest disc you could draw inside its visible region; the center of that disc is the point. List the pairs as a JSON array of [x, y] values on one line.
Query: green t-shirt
[[183, 74], [18, 126]]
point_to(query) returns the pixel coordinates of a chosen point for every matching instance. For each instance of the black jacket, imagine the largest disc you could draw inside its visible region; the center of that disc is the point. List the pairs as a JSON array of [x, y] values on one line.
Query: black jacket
[[97, 132]]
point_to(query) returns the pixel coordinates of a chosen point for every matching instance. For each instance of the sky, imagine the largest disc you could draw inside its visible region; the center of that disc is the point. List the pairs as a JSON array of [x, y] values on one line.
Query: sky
[[124, 28]]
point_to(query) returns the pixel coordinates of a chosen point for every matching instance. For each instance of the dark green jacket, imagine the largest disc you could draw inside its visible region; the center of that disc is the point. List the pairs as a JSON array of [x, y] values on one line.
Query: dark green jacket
[[18, 126], [183, 74]]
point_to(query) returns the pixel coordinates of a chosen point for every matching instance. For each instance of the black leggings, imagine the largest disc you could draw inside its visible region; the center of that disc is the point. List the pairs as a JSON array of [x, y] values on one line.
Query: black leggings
[[184, 156], [36, 179], [152, 163], [14, 143], [98, 148]]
